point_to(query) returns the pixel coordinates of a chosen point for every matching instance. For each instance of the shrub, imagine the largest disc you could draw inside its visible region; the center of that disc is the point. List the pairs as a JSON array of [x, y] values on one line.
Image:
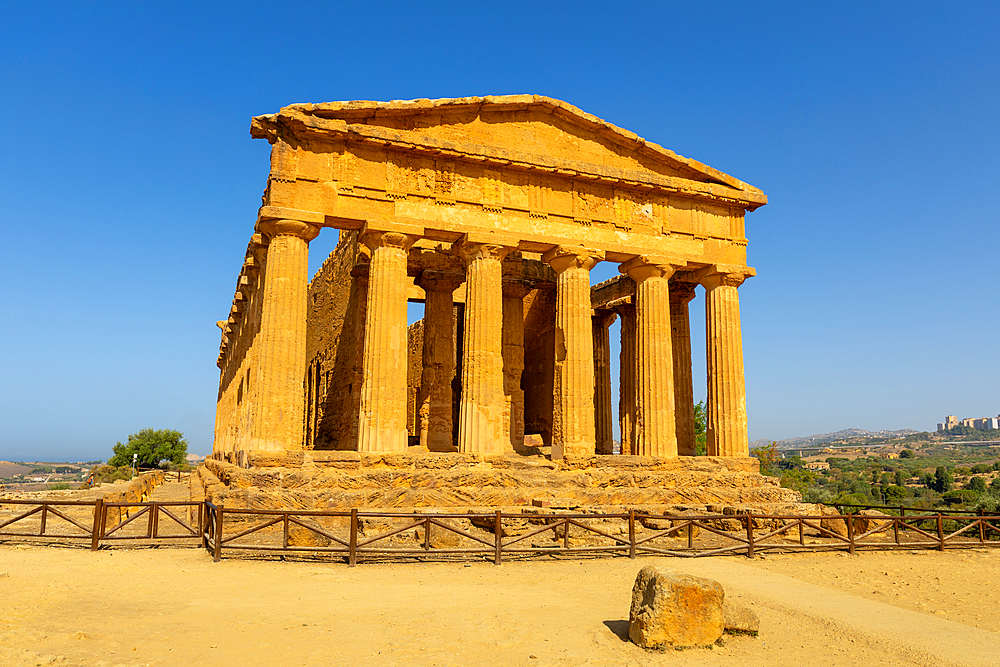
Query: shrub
[[959, 497], [906, 454], [977, 485]]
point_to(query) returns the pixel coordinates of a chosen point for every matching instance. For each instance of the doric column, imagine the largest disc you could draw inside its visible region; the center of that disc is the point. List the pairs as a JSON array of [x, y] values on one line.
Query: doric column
[[681, 294], [603, 417], [436, 430], [626, 377], [655, 428], [280, 347], [480, 410], [382, 415], [573, 416], [513, 362], [727, 403]]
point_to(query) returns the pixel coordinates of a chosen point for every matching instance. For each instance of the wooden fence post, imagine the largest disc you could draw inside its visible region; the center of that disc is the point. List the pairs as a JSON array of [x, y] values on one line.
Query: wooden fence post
[[217, 552], [631, 533], [352, 556], [850, 534], [749, 520], [95, 535], [940, 531], [498, 535]]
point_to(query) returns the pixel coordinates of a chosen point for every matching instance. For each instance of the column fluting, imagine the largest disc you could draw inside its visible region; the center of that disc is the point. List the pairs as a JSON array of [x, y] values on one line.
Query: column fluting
[[681, 294], [727, 407], [278, 403], [435, 397], [480, 413], [655, 427], [603, 416], [573, 430], [382, 415], [626, 378]]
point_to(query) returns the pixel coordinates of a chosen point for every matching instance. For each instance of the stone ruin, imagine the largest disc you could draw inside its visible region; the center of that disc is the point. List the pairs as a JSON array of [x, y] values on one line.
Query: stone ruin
[[491, 212]]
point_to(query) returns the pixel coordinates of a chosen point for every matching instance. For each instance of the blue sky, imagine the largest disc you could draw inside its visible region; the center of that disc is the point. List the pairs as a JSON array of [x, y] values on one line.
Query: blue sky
[[129, 185]]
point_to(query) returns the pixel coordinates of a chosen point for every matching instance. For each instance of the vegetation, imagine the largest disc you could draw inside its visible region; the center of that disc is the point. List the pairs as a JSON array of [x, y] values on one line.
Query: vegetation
[[700, 429], [151, 449], [932, 475]]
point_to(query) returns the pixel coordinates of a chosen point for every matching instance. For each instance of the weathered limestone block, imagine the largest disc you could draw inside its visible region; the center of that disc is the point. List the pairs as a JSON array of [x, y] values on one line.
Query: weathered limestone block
[[675, 609], [866, 520], [739, 618], [837, 526]]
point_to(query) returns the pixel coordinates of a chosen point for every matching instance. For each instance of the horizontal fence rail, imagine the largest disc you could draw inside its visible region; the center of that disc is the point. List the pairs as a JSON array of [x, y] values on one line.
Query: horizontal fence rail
[[355, 535]]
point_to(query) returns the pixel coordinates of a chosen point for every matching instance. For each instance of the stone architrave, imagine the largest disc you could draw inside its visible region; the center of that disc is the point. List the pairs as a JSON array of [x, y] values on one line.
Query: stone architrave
[[278, 403], [603, 416], [382, 416], [626, 378], [681, 294], [436, 428], [655, 426], [727, 403], [513, 362], [573, 419], [481, 406]]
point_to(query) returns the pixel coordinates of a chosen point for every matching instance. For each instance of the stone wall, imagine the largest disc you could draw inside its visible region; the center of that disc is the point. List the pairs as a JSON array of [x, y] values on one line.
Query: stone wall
[[340, 480], [136, 491]]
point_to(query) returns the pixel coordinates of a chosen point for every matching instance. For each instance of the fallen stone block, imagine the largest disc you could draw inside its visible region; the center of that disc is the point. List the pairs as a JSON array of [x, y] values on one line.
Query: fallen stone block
[[739, 619], [671, 609]]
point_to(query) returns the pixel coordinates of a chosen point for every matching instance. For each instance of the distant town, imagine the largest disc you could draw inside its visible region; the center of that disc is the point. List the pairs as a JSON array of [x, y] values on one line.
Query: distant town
[[982, 424]]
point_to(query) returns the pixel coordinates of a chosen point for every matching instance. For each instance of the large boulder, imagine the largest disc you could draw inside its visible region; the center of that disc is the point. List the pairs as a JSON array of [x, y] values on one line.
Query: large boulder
[[835, 525], [674, 609], [866, 520]]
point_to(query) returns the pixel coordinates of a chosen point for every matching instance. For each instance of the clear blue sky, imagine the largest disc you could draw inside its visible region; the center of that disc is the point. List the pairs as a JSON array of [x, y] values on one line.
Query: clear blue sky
[[129, 184]]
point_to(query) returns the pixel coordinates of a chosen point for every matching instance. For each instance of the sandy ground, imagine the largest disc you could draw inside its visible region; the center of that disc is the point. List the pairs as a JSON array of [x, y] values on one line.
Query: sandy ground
[[174, 606]]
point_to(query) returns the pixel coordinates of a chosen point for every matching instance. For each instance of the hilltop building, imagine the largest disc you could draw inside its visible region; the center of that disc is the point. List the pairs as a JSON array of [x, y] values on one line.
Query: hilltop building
[[983, 424]]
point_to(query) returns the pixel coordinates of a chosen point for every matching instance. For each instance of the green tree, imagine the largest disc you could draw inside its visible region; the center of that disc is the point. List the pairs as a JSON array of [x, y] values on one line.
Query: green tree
[[767, 455], [700, 429], [977, 484], [901, 477], [942, 480], [894, 494], [152, 447], [906, 454]]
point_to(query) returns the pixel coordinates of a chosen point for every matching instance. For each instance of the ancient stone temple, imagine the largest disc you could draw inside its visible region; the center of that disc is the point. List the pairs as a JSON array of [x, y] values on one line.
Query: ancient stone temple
[[492, 212]]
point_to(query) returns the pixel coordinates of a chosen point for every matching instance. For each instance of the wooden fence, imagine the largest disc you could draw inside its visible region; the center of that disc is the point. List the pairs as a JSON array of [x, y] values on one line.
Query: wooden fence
[[356, 536], [270, 531]]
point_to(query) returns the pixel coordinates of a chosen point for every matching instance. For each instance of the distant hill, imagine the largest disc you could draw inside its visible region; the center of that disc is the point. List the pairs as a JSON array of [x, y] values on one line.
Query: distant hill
[[8, 469], [845, 434]]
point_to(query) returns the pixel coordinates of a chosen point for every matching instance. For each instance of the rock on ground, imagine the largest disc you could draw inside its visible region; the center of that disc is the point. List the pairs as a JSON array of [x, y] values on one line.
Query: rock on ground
[[675, 609]]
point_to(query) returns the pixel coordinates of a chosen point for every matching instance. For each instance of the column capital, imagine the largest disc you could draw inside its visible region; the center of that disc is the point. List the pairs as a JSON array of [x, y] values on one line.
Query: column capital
[[605, 318], [439, 281], [681, 293], [643, 267], [374, 238], [731, 275], [468, 249], [273, 227], [563, 257]]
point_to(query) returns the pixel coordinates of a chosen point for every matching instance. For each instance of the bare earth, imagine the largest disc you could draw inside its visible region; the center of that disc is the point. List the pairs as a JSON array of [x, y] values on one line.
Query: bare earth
[[173, 606]]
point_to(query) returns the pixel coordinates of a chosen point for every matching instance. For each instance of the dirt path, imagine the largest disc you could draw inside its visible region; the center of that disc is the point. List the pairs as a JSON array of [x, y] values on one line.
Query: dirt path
[[175, 607]]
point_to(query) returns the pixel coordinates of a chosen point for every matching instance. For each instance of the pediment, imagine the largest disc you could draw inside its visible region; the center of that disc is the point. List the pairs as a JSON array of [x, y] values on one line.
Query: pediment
[[528, 130]]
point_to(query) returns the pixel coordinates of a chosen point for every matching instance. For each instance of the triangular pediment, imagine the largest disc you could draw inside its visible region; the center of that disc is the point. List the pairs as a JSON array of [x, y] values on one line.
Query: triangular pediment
[[527, 129]]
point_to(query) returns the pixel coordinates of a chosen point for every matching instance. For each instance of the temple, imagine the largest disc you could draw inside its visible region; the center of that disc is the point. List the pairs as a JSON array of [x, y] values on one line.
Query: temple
[[492, 212]]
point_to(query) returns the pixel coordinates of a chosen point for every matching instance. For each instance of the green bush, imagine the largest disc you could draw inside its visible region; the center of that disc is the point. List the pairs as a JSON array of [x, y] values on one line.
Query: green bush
[[60, 486], [959, 497], [977, 485]]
